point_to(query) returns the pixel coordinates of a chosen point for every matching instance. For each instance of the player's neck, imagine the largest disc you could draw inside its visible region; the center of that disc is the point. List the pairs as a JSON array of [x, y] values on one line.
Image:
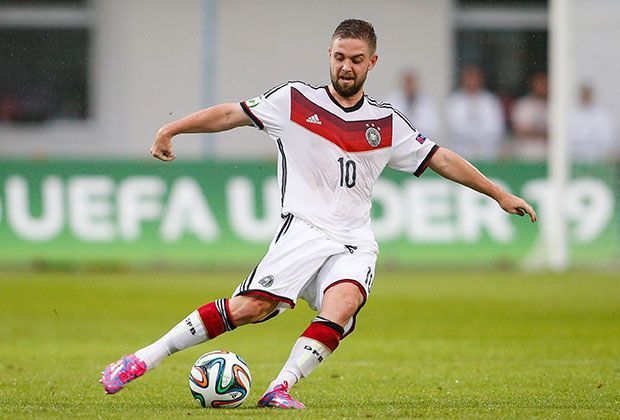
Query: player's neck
[[346, 102]]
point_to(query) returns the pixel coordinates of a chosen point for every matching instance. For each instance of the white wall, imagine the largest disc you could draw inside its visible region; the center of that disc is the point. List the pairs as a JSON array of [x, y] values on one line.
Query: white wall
[[157, 60]]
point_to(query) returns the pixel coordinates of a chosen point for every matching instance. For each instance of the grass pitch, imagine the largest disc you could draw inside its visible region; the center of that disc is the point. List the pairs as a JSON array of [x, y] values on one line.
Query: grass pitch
[[427, 344]]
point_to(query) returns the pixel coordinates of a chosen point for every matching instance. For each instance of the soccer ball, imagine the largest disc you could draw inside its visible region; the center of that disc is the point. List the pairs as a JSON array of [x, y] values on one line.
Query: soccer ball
[[220, 379]]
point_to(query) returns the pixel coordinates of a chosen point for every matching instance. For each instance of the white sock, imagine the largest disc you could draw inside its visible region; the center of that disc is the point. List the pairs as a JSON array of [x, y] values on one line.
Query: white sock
[[186, 333], [305, 357]]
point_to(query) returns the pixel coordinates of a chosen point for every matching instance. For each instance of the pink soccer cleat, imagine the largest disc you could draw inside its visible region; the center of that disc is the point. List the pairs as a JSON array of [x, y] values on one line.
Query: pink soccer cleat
[[280, 398], [117, 375]]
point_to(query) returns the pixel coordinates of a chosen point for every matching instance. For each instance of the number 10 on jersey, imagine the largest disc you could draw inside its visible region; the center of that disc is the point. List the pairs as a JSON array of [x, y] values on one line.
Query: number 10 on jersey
[[348, 171]]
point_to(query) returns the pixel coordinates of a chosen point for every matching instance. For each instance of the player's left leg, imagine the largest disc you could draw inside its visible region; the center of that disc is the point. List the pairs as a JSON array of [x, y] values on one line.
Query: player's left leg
[[315, 344], [339, 292]]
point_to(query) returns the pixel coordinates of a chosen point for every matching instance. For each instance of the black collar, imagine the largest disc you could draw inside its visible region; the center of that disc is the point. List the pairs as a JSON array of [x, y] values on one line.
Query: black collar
[[355, 107]]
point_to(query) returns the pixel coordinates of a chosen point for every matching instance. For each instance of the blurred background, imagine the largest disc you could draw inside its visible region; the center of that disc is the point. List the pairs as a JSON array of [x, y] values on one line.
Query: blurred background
[[85, 84]]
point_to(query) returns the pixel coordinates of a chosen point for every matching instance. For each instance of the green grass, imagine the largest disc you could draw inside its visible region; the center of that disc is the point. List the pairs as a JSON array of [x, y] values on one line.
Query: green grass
[[430, 345]]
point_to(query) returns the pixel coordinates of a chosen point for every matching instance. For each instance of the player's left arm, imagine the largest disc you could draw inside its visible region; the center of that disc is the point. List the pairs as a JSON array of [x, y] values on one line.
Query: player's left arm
[[453, 167]]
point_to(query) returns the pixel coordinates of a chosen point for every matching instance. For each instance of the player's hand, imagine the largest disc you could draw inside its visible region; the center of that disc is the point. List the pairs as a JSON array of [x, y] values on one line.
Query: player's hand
[[162, 147], [515, 205]]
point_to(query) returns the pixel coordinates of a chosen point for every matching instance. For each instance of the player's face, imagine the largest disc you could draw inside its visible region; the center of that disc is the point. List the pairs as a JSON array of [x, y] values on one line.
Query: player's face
[[350, 59]]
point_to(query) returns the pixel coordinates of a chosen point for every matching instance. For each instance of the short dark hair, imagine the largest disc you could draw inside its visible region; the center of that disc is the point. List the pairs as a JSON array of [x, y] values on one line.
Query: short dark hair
[[358, 29]]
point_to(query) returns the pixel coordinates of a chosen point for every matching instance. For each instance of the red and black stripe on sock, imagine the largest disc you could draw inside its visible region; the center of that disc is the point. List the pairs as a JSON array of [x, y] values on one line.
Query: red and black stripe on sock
[[325, 332], [216, 317]]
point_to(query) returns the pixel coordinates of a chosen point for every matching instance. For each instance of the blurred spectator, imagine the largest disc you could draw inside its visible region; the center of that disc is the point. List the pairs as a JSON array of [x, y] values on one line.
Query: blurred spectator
[[416, 105], [591, 130], [9, 108], [529, 120], [475, 119]]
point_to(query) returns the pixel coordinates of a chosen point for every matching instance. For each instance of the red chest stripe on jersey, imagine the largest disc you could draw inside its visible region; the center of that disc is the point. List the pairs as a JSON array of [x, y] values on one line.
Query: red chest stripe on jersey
[[348, 135]]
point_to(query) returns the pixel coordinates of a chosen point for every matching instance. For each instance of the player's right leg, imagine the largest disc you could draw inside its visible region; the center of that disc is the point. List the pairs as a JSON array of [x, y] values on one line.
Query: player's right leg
[[205, 323]]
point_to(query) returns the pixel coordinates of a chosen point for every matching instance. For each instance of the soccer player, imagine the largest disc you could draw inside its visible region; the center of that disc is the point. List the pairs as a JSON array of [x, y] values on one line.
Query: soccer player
[[333, 143]]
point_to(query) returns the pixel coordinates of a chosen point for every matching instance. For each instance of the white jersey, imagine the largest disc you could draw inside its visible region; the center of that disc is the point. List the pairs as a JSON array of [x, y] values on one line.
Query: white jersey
[[330, 157]]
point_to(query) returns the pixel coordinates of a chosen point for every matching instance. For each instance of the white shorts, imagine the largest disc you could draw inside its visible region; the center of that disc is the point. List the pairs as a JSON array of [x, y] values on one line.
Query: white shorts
[[302, 262]]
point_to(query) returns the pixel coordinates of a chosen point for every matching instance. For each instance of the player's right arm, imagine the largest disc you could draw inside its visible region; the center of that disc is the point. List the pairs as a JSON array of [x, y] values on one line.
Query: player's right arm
[[210, 120]]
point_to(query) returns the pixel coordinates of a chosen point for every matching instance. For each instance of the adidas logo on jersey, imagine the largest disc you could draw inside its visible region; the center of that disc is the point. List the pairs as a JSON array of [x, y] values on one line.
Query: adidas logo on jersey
[[314, 119]]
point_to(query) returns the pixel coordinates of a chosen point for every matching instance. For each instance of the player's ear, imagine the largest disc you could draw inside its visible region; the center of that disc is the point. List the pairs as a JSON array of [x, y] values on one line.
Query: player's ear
[[329, 52], [373, 61]]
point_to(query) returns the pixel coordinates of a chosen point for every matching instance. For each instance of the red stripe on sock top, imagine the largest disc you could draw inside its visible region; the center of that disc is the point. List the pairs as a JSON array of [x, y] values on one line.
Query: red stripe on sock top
[[324, 334], [212, 320]]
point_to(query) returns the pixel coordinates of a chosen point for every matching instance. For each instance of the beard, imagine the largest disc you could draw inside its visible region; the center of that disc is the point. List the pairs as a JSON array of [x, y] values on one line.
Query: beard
[[350, 90]]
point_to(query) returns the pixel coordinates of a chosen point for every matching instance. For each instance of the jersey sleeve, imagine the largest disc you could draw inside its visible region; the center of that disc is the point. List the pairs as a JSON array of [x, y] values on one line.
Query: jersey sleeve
[[270, 111], [411, 150]]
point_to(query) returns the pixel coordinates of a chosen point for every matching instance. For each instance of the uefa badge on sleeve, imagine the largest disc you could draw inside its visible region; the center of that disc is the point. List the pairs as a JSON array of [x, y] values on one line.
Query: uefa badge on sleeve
[[373, 136], [251, 103], [420, 138]]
